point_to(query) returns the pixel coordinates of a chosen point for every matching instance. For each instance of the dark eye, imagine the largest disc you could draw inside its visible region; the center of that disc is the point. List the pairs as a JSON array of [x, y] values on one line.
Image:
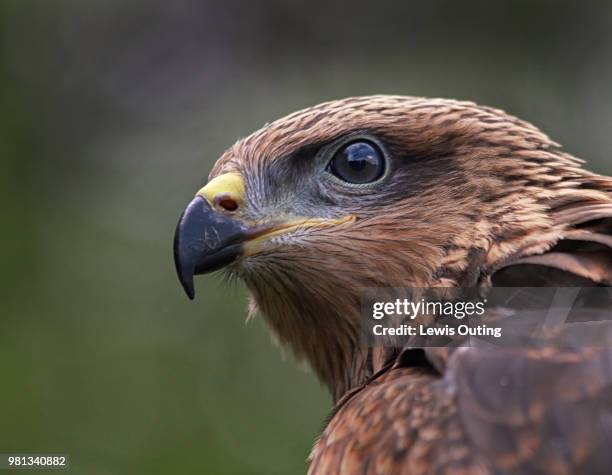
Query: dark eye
[[358, 162]]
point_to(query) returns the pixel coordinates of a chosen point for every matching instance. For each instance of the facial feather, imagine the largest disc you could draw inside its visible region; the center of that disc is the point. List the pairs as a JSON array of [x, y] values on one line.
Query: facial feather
[[469, 189]]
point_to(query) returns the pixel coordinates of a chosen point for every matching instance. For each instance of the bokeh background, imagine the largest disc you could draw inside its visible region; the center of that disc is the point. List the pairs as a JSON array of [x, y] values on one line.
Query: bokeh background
[[111, 115]]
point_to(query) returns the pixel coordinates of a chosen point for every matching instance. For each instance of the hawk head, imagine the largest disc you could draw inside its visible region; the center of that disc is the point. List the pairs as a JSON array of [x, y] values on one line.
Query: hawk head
[[379, 191]]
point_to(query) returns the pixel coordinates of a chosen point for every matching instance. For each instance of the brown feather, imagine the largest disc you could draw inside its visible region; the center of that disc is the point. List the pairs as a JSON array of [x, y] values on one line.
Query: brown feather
[[481, 198]]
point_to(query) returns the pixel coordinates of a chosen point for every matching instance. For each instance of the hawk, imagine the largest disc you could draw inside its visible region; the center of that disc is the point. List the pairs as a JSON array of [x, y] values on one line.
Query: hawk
[[393, 191]]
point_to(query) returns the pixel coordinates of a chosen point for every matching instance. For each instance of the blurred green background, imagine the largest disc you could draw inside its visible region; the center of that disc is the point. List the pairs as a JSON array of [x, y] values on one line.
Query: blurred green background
[[112, 113]]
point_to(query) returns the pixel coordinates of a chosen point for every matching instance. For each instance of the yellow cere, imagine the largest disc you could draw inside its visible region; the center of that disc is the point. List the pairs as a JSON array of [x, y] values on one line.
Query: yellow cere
[[228, 185]]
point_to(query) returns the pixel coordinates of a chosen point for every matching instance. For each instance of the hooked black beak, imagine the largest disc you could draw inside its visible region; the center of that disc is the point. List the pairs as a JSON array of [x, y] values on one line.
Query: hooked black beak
[[204, 241]]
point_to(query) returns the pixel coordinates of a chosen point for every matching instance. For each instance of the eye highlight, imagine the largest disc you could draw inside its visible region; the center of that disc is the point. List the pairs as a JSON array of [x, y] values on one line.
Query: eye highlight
[[358, 162]]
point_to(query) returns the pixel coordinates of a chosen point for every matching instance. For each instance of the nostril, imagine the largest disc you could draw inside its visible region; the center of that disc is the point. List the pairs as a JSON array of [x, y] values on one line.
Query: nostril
[[227, 203]]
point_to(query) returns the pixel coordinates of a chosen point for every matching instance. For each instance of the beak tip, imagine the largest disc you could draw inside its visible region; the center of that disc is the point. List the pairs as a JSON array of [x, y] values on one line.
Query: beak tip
[[183, 270], [189, 287], [186, 280], [190, 292]]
